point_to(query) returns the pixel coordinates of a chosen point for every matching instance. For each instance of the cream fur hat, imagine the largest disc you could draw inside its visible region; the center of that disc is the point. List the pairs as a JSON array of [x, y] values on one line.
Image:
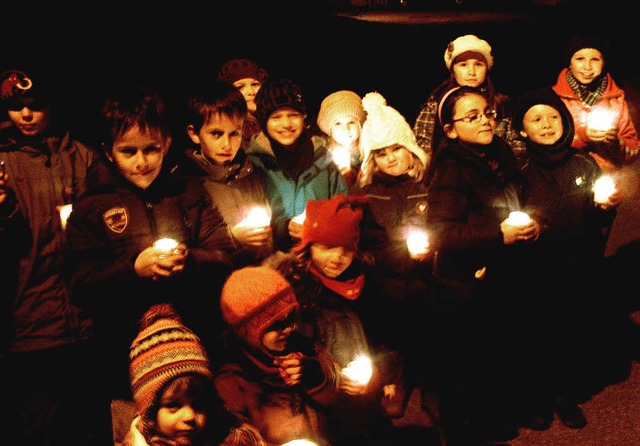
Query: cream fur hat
[[465, 44], [339, 103], [384, 127]]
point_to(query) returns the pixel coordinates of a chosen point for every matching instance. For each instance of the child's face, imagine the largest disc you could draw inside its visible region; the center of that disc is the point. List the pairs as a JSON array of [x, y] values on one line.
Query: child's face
[[470, 72], [586, 65], [285, 125], [138, 155], [249, 88], [542, 124], [345, 130], [29, 116], [474, 108], [277, 335], [180, 417], [393, 160], [331, 261], [219, 138]]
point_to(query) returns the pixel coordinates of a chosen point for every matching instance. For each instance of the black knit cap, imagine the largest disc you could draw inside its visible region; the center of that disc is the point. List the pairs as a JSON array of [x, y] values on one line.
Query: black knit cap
[[275, 94], [581, 41]]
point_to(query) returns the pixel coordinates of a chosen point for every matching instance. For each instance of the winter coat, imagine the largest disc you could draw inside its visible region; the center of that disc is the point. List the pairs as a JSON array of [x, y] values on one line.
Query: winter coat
[[319, 178], [613, 100], [112, 223], [253, 389], [44, 172], [474, 188], [234, 189]]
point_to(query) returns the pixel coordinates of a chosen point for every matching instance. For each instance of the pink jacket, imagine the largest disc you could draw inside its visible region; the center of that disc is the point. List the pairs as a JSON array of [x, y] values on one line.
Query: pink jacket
[[613, 100]]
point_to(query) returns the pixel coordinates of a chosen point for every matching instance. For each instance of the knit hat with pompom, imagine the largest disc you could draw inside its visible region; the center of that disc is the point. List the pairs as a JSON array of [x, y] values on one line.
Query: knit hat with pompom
[[163, 350], [468, 44], [385, 127], [253, 298], [337, 104]]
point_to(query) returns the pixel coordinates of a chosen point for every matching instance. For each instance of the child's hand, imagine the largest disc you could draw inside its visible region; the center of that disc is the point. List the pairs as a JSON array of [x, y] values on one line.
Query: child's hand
[[151, 264], [3, 186], [512, 234], [351, 387], [295, 229], [613, 201], [251, 236], [290, 367]]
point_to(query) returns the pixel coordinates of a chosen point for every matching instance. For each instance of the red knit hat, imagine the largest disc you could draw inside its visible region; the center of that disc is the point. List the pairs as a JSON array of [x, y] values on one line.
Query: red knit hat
[[253, 298], [163, 350], [333, 222]]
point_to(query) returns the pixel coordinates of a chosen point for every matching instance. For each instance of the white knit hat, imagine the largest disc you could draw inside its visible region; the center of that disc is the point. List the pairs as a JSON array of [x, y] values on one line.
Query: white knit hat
[[384, 127], [467, 43], [339, 103]]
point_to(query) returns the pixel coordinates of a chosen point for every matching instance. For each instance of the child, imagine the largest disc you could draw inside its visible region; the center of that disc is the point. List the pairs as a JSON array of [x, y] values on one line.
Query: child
[[340, 117], [215, 118], [327, 271], [569, 256], [247, 77], [135, 199], [392, 177], [476, 183], [469, 60], [43, 337], [297, 165], [172, 386], [273, 377], [588, 89]]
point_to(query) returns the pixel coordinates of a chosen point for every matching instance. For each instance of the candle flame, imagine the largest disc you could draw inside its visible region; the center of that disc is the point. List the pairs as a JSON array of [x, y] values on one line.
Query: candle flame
[[359, 370], [603, 188]]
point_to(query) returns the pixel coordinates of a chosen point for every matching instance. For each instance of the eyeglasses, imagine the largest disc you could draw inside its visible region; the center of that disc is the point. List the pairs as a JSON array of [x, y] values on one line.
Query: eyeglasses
[[475, 118]]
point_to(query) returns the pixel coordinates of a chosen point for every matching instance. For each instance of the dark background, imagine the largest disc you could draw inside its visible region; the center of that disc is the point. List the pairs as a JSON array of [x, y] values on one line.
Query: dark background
[[87, 50]]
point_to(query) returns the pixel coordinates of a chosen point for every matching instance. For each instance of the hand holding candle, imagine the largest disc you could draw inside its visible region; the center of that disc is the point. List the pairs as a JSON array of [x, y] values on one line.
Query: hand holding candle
[[255, 229], [64, 211], [603, 188], [359, 370], [519, 226], [417, 244]]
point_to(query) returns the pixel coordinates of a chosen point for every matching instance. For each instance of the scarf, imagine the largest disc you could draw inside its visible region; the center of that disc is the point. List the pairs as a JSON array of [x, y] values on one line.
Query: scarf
[[591, 93], [349, 289]]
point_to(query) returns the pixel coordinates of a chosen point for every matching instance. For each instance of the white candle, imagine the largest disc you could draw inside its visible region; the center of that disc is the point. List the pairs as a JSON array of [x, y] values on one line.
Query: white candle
[[518, 218], [65, 210], [341, 156], [359, 370], [165, 246], [417, 242], [300, 218], [257, 217], [603, 188], [600, 119]]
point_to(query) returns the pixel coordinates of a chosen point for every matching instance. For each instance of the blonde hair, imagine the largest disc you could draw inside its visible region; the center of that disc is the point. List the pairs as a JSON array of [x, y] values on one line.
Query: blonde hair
[[369, 167]]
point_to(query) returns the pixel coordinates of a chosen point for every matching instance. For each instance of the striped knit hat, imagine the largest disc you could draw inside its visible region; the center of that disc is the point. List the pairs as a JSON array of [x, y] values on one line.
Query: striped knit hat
[[163, 350]]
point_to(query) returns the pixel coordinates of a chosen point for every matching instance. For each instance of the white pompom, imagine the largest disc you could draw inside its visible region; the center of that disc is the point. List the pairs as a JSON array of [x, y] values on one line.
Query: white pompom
[[373, 100]]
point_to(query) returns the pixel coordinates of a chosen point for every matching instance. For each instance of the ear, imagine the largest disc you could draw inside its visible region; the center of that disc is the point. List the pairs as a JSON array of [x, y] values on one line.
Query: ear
[[167, 144], [450, 131], [193, 135]]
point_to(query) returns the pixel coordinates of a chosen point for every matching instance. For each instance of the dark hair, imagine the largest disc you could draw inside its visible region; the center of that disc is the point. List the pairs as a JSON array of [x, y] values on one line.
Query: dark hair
[[217, 97], [449, 100], [131, 106]]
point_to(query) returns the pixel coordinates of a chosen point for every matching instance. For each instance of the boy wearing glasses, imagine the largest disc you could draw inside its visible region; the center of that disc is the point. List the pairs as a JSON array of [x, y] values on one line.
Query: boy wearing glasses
[[475, 184]]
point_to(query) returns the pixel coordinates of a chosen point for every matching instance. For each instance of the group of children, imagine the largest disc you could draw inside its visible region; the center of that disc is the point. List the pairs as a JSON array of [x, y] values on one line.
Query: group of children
[[294, 254]]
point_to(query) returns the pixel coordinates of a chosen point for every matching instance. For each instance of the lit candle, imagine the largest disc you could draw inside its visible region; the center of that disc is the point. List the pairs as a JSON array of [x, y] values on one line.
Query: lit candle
[[417, 242], [603, 188], [300, 442], [518, 218], [165, 246], [257, 217], [65, 210], [341, 156], [600, 119], [300, 218], [359, 370]]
